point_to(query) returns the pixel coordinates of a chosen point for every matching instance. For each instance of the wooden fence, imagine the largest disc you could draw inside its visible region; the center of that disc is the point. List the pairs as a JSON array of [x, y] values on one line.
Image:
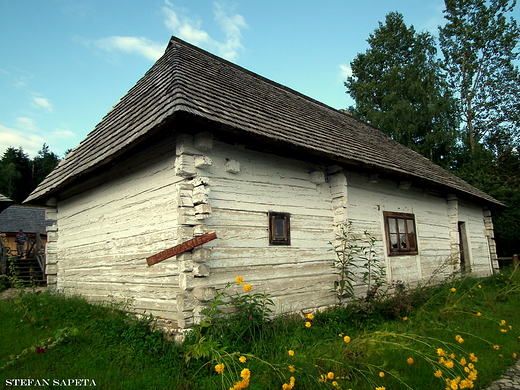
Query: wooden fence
[[508, 261]]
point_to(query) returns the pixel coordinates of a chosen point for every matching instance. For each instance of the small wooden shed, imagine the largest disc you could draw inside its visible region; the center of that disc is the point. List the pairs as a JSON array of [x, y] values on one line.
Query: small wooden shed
[[30, 219], [202, 145], [5, 202]]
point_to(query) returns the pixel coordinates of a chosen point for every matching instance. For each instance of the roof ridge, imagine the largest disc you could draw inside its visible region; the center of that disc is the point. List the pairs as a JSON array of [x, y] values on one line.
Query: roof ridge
[[175, 39]]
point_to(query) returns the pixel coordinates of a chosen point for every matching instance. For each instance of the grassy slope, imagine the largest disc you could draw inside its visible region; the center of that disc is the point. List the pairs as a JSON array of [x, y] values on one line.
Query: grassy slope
[[119, 352]]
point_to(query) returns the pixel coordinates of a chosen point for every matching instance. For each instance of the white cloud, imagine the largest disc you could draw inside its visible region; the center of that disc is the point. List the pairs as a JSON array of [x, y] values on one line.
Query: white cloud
[[26, 134], [26, 124], [230, 23], [346, 71], [134, 45], [191, 31], [28, 140], [42, 103]]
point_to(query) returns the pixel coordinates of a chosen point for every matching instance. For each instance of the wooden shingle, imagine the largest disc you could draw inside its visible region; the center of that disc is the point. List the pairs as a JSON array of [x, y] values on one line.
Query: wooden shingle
[[200, 85]]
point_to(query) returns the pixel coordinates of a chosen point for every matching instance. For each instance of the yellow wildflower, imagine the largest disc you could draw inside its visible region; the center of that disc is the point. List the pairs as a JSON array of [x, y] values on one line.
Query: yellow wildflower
[[409, 360], [514, 355], [381, 374], [502, 323], [289, 386], [473, 358], [335, 384], [405, 318], [479, 286], [219, 368], [381, 388], [453, 289], [308, 324], [441, 352], [242, 359], [448, 363], [245, 373], [438, 373], [247, 287], [462, 362], [478, 314], [323, 378], [471, 366], [346, 339], [330, 375], [503, 330], [310, 316], [496, 347], [239, 280], [291, 352], [292, 369], [460, 340]]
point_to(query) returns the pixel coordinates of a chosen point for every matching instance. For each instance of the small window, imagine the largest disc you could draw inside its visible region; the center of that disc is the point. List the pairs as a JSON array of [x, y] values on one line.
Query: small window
[[400, 233], [279, 229]]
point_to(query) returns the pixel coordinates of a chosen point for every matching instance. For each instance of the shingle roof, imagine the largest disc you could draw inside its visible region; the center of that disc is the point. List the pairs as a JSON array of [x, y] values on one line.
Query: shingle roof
[[29, 219], [5, 202], [189, 80]]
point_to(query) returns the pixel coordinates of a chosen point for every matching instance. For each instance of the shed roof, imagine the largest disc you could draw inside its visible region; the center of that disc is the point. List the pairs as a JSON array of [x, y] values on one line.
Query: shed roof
[[28, 218], [4, 202], [191, 81]]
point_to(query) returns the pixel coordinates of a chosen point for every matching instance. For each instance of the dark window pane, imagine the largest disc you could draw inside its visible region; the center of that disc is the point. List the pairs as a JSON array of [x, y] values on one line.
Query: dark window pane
[[279, 230], [411, 241]]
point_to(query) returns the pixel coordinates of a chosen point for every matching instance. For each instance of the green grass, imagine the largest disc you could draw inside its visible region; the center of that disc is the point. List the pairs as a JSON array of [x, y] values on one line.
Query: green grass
[[119, 351]]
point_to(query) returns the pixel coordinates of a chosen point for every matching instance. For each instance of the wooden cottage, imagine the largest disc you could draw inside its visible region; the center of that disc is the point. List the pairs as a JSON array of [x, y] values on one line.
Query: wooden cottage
[[202, 145], [30, 219]]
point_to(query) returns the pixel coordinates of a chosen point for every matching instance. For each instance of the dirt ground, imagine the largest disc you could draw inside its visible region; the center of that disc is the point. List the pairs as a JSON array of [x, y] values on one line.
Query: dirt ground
[[11, 293]]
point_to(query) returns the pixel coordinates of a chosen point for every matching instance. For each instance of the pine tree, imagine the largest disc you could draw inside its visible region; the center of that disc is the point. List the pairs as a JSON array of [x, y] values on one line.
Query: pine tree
[[397, 87]]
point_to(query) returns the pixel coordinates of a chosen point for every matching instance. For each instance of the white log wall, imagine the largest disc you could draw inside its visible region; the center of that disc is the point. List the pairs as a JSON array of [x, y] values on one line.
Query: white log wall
[[105, 234], [244, 185], [190, 185]]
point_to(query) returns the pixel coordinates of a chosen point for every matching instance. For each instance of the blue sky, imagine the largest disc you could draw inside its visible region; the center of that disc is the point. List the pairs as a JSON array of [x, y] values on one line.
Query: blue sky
[[65, 63]]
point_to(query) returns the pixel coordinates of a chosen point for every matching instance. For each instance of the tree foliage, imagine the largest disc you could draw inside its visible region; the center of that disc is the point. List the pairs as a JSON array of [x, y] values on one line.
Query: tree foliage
[[480, 46], [462, 112], [20, 175], [398, 88]]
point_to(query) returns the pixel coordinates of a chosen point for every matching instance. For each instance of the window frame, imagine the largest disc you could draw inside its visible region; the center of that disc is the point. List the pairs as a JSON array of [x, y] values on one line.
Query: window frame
[[285, 238], [408, 235]]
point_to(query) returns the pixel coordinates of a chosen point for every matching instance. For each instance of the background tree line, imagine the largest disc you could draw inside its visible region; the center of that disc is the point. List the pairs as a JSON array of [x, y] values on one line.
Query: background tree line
[[19, 174], [455, 99]]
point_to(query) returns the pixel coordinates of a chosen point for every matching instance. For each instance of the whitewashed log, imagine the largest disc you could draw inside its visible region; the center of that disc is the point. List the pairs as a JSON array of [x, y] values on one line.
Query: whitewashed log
[[317, 177], [200, 254], [185, 165], [203, 141], [202, 162], [232, 166], [204, 294]]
